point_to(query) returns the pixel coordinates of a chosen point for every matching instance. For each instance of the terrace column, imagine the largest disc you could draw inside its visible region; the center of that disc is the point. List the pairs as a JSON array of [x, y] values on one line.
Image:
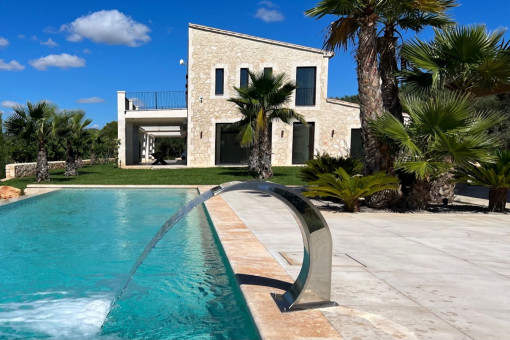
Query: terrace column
[[147, 143], [121, 119]]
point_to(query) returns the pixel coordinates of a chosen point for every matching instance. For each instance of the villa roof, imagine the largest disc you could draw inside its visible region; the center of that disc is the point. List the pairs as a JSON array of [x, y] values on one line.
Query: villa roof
[[328, 54]]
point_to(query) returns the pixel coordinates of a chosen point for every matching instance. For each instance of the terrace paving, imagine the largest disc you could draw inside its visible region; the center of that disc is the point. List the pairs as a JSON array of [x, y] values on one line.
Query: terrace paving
[[400, 276]]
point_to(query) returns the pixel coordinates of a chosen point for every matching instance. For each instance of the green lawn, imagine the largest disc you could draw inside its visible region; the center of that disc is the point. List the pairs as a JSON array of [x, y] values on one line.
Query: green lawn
[[108, 174]]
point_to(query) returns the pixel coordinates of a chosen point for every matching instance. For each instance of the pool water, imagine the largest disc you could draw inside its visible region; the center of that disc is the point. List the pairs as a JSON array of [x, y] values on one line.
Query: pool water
[[64, 256]]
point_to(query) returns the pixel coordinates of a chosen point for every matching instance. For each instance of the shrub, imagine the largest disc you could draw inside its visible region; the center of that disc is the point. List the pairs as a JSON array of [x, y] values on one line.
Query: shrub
[[349, 188], [325, 164]]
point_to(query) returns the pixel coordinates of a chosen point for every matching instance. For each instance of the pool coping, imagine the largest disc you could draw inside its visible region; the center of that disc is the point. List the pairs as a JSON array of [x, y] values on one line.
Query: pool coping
[[257, 272]]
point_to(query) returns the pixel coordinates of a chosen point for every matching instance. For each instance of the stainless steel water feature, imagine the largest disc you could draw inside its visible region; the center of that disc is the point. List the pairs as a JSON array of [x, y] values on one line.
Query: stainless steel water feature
[[312, 288]]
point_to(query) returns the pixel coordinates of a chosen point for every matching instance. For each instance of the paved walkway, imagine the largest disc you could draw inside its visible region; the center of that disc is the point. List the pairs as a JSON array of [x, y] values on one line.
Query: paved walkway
[[401, 276]]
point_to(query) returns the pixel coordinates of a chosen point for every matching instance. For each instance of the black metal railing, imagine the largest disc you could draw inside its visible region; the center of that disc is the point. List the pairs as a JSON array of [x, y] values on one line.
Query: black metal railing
[[163, 100]]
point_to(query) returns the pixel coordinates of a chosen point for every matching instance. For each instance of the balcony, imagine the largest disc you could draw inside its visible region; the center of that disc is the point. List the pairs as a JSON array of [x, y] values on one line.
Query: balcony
[[162, 100]]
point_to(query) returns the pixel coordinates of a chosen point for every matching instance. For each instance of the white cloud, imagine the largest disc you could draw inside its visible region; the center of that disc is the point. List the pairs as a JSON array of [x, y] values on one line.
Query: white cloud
[[267, 3], [269, 15], [9, 104], [49, 43], [96, 126], [12, 65], [110, 27], [87, 51], [21, 36], [63, 60], [3, 42], [91, 100]]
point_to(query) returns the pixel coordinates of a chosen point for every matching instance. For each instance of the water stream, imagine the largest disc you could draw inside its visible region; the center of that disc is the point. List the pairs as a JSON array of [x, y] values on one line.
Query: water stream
[[157, 237]]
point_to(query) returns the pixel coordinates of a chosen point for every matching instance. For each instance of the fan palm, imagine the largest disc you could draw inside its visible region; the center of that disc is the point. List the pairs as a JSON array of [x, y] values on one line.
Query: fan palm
[[495, 176], [463, 58], [71, 125], [33, 123], [349, 188], [262, 102], [444, 132]]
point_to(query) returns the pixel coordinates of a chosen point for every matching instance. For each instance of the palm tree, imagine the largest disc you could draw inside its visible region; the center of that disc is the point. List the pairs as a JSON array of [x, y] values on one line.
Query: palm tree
[[261, 103], [444, 132], [71, 124], [467, 59], [34, 124], [349, 188], [357, 23], [397, 17], [495, 176]]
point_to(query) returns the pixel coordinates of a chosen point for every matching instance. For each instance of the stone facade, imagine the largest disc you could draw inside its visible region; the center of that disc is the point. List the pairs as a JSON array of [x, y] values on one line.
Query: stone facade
[[211, 48], [18, 170]]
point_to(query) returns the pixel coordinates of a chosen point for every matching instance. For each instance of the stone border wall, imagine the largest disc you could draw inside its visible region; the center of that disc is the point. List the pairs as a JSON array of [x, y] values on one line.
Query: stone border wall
[[18, 170]]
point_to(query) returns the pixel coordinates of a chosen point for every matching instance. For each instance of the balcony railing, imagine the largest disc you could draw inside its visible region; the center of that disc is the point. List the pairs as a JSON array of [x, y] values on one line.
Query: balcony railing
[[157, 100]]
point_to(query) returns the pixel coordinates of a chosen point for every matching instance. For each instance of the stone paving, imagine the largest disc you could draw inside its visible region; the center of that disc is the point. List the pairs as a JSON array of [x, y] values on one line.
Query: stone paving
[[401, 276]]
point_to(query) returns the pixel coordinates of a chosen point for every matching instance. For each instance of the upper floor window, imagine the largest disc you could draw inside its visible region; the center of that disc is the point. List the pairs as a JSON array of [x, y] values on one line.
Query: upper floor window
[[218, 88], [244, 78], [268, 70], [305, 79]]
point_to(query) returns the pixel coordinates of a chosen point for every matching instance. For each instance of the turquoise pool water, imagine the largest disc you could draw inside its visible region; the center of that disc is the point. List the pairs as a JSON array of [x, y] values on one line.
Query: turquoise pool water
[[65, 255]]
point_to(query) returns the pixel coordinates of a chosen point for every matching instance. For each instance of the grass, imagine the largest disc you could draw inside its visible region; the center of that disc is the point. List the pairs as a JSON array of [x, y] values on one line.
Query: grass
[[109, 174]]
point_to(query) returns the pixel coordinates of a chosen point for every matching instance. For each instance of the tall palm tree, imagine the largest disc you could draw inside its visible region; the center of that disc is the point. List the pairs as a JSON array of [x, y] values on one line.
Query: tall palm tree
[[467, 59], [357, 23], [262, 102], [444, 132], [33, 123], [395, 18]]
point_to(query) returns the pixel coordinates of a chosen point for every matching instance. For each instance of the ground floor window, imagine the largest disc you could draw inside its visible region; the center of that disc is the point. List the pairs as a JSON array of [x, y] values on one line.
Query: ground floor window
[[302, 143], [228, 147], [356, 150]]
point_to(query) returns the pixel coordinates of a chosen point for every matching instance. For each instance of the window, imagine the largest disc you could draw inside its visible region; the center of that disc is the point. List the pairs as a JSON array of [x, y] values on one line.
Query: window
[[244, 78], [305, 79], [302, 143], [268, 70], [218, 89]]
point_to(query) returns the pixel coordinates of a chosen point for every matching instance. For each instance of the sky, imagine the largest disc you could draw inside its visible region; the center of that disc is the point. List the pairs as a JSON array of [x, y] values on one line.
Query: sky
[[78, 54]]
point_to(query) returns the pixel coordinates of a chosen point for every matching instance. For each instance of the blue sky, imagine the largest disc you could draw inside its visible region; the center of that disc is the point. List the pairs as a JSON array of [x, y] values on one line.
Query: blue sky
[[77, 54]]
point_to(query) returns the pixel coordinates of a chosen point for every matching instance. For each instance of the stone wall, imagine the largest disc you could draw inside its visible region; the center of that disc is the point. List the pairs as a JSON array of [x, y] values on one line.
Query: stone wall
[[210, 49], [18, 170]]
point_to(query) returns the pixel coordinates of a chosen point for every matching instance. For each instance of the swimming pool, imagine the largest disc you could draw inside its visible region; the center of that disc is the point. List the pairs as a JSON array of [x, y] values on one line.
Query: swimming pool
[[66, 254]]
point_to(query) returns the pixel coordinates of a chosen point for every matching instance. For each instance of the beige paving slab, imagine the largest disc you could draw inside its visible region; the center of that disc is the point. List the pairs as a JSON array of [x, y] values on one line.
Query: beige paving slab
[[424, 276]]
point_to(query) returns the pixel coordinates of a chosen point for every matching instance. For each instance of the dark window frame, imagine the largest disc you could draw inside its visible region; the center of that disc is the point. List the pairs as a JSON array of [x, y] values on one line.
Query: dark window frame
[[305, 96], [219, 86]]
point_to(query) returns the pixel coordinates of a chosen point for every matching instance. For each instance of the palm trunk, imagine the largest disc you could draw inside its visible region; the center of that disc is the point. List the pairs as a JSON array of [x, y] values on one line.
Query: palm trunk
[[79, 161], [93, 158], [371, 104], [497, 199], [419, 195], [254, 156], [442, 189], [387, 69], [42, 172], [71, 167], [265, 170]]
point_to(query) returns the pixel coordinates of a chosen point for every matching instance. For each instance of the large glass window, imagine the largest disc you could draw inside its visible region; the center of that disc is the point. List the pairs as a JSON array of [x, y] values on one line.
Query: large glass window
[[218, 89], [305, 79], [228, 147], [244, 78], [302, 142]]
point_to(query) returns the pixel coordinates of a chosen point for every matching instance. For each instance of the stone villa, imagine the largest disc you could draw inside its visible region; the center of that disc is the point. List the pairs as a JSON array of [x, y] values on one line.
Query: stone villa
[[217, 61]]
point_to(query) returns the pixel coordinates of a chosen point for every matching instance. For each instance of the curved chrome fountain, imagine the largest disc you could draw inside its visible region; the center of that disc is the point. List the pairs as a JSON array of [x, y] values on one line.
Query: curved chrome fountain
[[312, 288]]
